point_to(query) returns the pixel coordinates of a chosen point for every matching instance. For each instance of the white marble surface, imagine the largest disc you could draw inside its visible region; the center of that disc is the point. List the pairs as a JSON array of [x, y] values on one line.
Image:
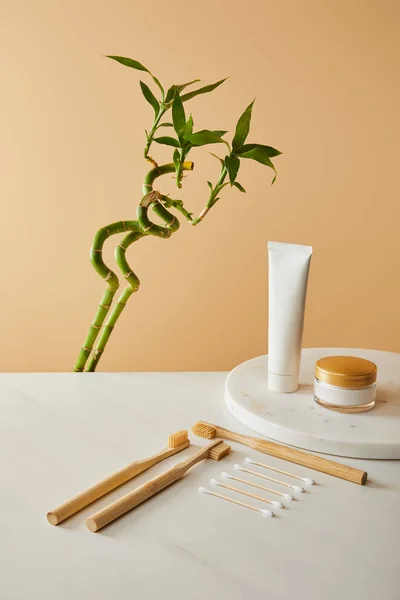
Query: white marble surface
[[61, 432], [297, 420]]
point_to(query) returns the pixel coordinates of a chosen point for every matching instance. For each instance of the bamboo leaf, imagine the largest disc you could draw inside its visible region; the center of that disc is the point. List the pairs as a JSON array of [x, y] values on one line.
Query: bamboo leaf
[[239, 187], [260, 155], [134, 64], [219, 132], [150, 97], [176, 159], [165, 125], [203, 90], [178, 113], [268, 149], [242, 128], [210, 185], [218, 158], [232, 164], [178, 87], [167, 141], [188, 128], [203, 137]]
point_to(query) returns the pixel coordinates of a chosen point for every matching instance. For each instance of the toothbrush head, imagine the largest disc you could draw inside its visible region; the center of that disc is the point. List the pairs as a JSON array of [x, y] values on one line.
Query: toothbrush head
[[266, 513], [226, 475], [214, 481], [298, 488], [277, 504], [308, 480], [289, 497]]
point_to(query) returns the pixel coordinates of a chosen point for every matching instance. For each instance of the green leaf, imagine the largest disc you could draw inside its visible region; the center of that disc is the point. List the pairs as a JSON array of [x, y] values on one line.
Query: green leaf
[[210, 185], [188, 128], [218, 158], [232, 164], [203, 137], [242, 128], [219, 132], [168, 141], [178, 113], [260, 155], [176, 159], [165, 125], [239, 187], [178, 87], [268, 149], [203, 90], [134, 64], [150, 97]]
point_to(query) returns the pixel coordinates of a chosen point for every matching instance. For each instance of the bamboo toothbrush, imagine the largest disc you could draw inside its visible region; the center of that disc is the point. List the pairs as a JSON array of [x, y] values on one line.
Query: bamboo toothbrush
[[307, 480], [216, 450], [296, 488], [176, 442], [263, 511], [208, 430], [259, 487]]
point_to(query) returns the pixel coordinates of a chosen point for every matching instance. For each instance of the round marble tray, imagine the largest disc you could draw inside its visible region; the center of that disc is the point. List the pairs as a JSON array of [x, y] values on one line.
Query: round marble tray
[[297, 420]]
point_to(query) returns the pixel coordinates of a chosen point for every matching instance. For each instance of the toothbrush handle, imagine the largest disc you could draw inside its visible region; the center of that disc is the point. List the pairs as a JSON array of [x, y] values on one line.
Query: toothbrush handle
[[144, 492], [318, 463], [108, 484]]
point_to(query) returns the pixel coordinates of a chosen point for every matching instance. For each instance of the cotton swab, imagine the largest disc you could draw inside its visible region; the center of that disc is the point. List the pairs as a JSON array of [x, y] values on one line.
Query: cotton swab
[[296, 488], [307, 480], [259, 487], [239, 491], [263, 511]]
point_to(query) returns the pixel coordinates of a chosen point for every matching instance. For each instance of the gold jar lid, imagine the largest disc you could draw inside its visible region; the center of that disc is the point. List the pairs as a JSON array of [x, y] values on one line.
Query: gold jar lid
[[346, 371]]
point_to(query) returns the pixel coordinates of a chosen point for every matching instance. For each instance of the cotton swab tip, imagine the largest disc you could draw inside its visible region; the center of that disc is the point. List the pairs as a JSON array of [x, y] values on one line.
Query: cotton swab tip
[[289, 497], [226, 475], [249, 460], [214, 481], [238, 467], [298, 488], [277, 504], [266, 513], [308, 480], [202, 490]]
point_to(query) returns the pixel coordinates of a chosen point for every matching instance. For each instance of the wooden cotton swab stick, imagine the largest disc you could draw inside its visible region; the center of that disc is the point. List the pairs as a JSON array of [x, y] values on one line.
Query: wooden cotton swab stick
[[297, 488], [307, 480], [263, 511], [259, 487], [239, 491]]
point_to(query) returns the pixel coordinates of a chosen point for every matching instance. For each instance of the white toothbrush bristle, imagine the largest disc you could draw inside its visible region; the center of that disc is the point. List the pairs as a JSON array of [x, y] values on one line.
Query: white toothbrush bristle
[[214, 481], [308, 480], [266, 513], [289, 497], [277, 504], [298, 488], [226, 475], [202, 490]]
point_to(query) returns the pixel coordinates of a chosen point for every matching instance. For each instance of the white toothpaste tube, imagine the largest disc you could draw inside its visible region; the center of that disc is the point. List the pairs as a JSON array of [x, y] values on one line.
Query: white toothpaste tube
[[289, 265]]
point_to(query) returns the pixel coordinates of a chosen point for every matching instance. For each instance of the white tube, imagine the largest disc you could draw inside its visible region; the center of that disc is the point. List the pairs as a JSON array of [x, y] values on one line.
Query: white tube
[[289, 265]]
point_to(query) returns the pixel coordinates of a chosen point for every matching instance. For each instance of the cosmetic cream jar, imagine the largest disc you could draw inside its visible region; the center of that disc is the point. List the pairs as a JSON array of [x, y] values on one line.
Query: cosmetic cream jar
[[345, 383]]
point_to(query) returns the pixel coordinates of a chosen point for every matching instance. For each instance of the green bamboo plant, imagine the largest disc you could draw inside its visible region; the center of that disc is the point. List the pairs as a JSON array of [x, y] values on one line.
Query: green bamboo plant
[[183, 140]]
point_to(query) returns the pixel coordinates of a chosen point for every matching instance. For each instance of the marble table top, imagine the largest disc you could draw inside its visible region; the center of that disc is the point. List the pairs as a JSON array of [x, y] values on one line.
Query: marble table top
[[60, 433]]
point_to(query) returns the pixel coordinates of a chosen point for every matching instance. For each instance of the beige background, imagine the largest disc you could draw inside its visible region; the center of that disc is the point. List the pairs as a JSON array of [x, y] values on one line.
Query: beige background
[[326, 78]]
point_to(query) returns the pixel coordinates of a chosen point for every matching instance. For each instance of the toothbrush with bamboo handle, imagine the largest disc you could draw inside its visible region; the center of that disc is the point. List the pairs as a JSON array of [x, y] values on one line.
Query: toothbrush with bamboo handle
[[216, 450], [318, 463], [176, 442]]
